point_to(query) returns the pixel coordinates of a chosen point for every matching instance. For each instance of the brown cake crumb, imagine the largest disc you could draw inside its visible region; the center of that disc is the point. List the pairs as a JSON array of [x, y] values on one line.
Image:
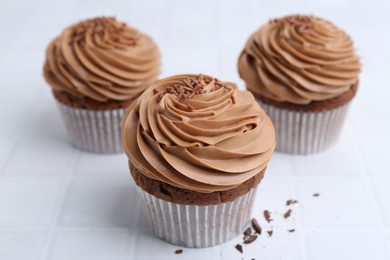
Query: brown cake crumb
[[256, 226], [179, 251], [177, 195], [291, 202], [270, 232], [239, 248], [316, 195], [287, 214], [267, 216], [250, 239]]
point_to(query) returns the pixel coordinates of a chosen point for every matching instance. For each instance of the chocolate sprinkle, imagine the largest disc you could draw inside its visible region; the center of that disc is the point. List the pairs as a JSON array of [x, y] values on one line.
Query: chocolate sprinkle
[[270, 232], [291, 202], [239, 248], [287, 214], [291, 230], [267, 216], [304, 24], [179, 251], [316, 195], [248, 232], [105, 27], [250, 239], [256, 226], [188, 88]]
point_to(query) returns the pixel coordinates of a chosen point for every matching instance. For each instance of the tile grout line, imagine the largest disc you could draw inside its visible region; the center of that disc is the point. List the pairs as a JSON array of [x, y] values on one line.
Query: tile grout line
[[379, 224], [59, 204]]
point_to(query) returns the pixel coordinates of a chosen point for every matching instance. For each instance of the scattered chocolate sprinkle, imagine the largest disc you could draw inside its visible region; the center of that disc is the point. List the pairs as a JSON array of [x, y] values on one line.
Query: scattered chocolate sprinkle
[[303, 23], [248, 232], [256, 226], [270, 232], [316, 195], [287, 214], [291, 202], [267, 216], [250, 239], [179, 251], [188, 88], [239, 248], [291, 230], [106, 27]]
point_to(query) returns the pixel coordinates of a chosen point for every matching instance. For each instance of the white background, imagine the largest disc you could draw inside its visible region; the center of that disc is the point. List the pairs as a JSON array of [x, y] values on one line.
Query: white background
[[60, 203]]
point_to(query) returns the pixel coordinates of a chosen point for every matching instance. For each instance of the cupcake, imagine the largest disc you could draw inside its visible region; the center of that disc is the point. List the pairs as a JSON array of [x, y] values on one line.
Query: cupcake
[[303, 70], [197, 149], [96, 69]]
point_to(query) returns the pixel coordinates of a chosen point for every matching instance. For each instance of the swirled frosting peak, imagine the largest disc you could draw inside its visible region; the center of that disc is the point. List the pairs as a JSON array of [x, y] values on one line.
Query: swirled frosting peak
[[299, 59], [198, 133], [102, 59]]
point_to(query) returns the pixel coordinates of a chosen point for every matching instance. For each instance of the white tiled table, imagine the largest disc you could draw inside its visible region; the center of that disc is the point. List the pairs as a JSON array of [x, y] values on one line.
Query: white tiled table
[[59, 203]]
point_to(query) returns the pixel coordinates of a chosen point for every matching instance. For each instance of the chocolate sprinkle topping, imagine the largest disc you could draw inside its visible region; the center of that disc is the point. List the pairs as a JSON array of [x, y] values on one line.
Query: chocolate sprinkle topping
[[239, 248], [267, 216], [101, 25], [179, 251], [188, 88], [256, 226], [303, 23], [287, 214]]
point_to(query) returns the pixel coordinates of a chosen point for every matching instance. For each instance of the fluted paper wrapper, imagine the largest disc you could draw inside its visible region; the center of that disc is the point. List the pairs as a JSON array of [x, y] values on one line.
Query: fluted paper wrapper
[[94, 131], [198, 226], [300, 132]]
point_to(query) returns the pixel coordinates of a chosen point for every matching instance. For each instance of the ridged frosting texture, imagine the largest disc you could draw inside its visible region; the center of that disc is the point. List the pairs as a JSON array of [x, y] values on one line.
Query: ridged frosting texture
[[102, 59], [198, 133], [299, 59]]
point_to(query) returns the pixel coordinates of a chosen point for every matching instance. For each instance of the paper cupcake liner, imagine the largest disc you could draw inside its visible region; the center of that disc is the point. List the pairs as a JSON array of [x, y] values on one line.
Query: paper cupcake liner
[[94, 131], [299, 132], [198, 226]]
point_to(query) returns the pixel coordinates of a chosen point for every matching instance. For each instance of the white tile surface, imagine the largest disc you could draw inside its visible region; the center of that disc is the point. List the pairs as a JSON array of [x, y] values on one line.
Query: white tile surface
[[103, 166], [382, 193], [28, 203], [333, 162], [60, 203], [100, 203], [355, 246], [374, 155], [40, 156], [340, 204], [21, 245], [97, 245]]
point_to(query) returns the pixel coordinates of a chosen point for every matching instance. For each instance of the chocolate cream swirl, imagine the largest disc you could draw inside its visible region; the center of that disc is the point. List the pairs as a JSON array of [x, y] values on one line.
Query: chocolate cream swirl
[[299, 59], [198, 133], [102, 59]]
